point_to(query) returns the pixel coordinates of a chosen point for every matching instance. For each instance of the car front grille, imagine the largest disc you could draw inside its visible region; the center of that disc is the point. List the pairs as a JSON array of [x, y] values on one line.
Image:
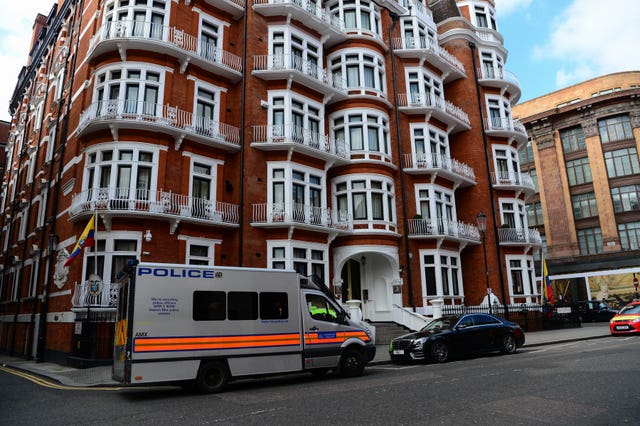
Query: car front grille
[[401, 344]]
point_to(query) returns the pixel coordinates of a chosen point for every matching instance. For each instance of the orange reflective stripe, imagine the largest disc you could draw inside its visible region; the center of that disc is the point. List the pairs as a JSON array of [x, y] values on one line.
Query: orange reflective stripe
[[214, 342], [337, 337]]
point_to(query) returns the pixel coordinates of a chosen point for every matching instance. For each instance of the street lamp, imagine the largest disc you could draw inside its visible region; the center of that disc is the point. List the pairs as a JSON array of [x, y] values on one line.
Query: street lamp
[[482, 227]]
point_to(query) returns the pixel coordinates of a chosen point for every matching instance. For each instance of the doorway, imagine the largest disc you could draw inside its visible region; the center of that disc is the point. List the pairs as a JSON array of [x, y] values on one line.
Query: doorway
[[352, 278]]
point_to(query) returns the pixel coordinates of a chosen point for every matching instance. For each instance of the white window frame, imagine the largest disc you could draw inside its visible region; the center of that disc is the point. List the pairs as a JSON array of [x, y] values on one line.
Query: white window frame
[[288, 181], [529, 285], [371, 120], [115, 148], [519, 212], [503, 107], [512, 174], [430, 88], [204, 242], [342, 60], [431, 137], [287, 260], [388, 199], [311, 111], [110, 238], [437, 254], [359, 7]]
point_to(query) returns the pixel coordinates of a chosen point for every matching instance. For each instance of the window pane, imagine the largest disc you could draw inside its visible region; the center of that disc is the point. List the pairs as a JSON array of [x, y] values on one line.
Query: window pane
[[209, 306]]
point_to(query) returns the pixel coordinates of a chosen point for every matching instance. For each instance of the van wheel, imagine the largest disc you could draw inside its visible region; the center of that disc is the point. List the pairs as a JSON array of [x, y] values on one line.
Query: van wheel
[[508, 344], [212, 377], [439, 351], [351, 364]]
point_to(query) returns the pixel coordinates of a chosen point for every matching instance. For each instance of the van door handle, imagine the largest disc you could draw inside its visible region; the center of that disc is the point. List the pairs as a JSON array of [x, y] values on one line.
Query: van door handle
[[314, 329]]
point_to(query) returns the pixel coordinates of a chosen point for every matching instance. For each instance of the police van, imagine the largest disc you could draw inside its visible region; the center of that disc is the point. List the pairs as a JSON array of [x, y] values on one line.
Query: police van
[[209, 324]]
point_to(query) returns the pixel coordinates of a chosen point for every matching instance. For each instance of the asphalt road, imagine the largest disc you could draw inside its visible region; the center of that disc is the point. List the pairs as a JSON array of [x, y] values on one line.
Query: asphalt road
[[592, 382]]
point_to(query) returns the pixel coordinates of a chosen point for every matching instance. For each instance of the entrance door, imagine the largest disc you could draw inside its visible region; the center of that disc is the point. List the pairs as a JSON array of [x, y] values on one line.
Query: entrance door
[[352, 280]]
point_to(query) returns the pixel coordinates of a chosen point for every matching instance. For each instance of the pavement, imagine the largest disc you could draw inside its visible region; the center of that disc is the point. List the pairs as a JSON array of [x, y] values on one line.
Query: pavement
[[101, 376]]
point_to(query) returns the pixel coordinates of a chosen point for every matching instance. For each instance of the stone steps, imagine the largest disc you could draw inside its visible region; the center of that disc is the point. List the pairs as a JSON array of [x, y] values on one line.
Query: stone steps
[[386, 331]]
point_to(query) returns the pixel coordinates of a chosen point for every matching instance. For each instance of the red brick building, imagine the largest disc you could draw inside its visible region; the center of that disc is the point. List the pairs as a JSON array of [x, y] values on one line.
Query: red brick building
[[356, 141]]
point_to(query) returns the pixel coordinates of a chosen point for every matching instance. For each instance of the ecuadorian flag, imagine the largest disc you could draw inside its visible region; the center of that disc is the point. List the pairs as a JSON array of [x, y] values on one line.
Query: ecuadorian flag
[[86, 240], [548, 290]]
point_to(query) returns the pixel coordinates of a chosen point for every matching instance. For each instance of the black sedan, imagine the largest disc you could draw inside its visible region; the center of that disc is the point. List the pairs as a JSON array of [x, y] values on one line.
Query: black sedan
[[457, 335]]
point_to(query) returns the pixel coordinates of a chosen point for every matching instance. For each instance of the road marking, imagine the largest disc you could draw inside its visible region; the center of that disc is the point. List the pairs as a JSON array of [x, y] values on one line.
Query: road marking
[[52, 385]]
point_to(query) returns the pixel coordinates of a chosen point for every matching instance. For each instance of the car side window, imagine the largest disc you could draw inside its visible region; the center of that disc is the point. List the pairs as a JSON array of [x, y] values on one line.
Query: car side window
[[484, 319], [466, 321]]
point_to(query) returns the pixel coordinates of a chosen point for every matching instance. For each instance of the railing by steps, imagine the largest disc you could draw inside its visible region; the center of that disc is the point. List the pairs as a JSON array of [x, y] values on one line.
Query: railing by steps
[[412, 320]]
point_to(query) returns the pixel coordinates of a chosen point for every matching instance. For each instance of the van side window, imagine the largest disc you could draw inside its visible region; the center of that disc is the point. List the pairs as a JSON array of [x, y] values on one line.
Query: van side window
[[319, 309], [209, 305], [243, 305], [274, 306]]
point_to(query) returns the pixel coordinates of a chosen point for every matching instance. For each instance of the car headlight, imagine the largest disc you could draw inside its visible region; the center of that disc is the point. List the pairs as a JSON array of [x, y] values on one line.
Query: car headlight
[[418, 342], [635, 321]]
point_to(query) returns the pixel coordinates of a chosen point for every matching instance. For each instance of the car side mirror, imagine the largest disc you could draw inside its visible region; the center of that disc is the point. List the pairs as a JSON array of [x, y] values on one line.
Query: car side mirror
[[461, 326]]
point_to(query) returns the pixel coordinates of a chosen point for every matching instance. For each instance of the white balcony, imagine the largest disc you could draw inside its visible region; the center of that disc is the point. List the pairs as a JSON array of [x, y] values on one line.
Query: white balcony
[[309, 13], [519, 182], [276, 215], [502, 79], [429, 50], [300, 70], [151, 204], [443, 229], [444, 111], [121, 36], [519, 236], [438, 165], [508, 128], [124, 114], [298, 139], [233, 7]]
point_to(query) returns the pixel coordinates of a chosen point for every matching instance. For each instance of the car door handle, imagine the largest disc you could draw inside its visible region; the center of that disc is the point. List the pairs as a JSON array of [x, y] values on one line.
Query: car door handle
[[314, 329]]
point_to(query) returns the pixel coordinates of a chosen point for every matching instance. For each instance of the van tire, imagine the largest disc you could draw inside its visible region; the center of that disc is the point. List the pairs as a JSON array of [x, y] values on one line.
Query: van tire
[[351, 363], [212, 377]]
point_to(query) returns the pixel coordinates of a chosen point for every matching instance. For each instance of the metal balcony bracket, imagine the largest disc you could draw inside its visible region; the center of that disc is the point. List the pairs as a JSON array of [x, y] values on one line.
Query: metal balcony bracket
[[106, 220], [114, 132], [179, 140], [122, 51], [184, 63]]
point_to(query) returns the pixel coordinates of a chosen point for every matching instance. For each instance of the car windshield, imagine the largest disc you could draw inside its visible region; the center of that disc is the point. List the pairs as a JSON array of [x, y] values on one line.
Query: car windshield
[[630, 309], [440, 324]]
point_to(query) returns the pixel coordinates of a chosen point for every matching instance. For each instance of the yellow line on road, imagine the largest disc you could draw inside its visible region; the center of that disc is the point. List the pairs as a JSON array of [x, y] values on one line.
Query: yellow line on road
[[49, 384]]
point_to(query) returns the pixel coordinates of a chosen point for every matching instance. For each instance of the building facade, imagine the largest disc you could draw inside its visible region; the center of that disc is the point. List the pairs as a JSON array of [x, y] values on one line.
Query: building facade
[[356, 141], [583, 154]]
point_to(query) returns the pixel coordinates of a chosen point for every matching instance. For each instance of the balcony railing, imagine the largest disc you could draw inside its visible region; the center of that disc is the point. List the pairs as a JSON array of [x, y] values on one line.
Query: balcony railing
[[152, 32], [95, 295], [498, 73], [295, 213], [290, 134], [519, 236], [512, 179], [427, 100], [305, 67], [135, 111], [434, 162], [312, 8], [155, 203], [488, 35], [443, 228], [428, 45], [503, 124]]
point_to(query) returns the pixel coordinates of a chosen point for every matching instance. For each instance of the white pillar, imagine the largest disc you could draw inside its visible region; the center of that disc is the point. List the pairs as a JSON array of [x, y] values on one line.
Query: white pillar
[[354, 309], [437, 308]]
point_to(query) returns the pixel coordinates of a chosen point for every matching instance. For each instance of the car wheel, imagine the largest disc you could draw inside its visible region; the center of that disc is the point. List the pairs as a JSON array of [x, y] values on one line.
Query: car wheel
[[508, 344], [439, 351], [212, 377], [352, 364]]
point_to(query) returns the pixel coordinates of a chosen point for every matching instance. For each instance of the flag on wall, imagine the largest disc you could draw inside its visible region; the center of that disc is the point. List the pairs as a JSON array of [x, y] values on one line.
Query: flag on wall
[[547, 291], [86, 240]]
